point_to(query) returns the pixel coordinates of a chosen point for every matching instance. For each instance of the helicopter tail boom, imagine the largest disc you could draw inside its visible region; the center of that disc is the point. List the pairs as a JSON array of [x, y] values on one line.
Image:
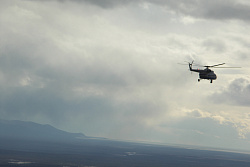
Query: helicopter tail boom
[[190, 65]]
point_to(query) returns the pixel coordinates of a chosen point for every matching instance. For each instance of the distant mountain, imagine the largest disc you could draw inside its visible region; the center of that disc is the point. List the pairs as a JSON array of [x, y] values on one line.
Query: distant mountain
[[30, 144], [22, 130]]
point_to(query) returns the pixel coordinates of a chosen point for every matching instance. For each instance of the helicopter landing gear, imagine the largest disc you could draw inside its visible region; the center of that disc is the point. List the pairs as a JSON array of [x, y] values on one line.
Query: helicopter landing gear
[[199, 80], [211, 81]]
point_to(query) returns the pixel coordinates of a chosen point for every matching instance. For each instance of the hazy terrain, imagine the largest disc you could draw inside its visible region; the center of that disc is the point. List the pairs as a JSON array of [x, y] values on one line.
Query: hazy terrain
[[31, 144]]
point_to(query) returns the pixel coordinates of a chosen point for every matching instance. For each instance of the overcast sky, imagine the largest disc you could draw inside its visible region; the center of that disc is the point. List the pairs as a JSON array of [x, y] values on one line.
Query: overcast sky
[[109, 68]]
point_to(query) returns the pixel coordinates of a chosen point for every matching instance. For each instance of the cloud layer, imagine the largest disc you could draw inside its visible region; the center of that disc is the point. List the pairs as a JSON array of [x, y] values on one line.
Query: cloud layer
[[109, 68], [218, 10]]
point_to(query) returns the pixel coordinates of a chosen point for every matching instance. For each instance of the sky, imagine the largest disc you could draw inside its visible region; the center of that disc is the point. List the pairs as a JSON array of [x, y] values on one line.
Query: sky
[[109, 68]]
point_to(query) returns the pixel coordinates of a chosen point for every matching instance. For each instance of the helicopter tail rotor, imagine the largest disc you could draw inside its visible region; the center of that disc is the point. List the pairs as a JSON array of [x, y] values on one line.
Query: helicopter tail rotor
[[190, 64]]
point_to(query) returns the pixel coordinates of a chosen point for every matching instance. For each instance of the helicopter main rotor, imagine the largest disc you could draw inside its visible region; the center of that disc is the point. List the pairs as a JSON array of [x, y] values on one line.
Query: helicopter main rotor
[[214, 65]]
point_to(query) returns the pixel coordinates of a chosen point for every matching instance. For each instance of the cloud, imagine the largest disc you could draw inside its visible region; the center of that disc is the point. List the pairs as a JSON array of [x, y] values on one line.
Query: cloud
[[197, 127], [237, 93], [108, 3], [109, 68], [215, 45], [51, 73], [217, 10]]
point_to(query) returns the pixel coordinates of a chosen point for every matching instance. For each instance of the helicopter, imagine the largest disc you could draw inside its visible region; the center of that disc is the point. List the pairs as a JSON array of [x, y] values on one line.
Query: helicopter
[[207, 73]]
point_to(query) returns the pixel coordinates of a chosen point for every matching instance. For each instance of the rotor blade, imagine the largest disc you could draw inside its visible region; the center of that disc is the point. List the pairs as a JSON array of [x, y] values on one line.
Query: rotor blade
[[215, 65], [226, 67], [186, 63], [192, 62], [182, 64], [198, 65]]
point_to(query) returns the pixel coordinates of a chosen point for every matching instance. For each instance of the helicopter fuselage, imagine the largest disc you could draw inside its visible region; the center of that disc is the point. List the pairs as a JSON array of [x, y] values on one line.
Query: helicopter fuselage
[[204, 74], [207, 73]]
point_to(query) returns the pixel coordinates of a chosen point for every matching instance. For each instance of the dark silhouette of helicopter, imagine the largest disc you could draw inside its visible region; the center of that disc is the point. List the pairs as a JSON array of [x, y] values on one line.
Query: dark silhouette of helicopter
[[207, 73]]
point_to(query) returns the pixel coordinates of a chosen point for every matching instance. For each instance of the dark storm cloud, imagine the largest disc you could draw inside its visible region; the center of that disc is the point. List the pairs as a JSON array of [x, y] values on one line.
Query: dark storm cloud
[[218, 10], [108, 3], [237, 93]]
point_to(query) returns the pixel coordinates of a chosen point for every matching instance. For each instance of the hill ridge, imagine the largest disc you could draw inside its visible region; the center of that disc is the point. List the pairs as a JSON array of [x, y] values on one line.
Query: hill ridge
[[26, 130]]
